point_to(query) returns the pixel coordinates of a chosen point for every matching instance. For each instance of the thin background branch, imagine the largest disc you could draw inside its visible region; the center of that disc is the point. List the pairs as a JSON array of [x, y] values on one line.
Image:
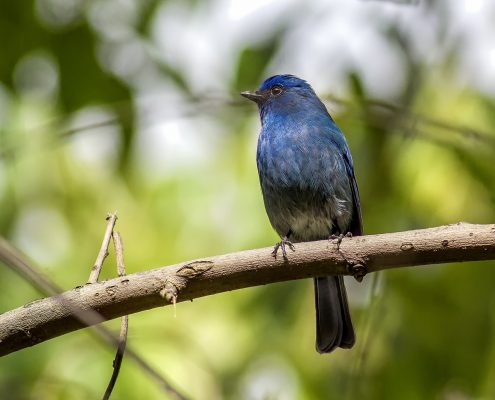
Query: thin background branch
[[208, 104], [81, 315]]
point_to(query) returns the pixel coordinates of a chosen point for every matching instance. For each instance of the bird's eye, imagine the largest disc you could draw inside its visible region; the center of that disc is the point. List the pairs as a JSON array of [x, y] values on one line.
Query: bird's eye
[[276, 90]]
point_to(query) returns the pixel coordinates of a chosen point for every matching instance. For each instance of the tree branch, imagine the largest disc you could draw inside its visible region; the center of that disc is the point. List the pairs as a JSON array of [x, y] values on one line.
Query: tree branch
[[50, 317]]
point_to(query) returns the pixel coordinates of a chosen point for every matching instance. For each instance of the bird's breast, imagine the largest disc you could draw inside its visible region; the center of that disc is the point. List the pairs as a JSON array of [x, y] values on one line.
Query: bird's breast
[[304, 187]]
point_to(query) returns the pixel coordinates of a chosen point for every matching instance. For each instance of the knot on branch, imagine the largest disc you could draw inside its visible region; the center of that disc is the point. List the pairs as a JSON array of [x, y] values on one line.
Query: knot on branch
[[194, 269], [358, 271], [408, 246], [170, 291], [173, 285], [355, 266]]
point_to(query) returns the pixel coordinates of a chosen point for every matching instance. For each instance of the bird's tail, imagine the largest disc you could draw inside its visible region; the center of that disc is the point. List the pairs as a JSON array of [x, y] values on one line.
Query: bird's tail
[[333, 319]]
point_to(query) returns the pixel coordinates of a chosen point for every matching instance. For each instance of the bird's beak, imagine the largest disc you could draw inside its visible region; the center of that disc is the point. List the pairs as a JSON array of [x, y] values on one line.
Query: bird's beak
[[253, 96]]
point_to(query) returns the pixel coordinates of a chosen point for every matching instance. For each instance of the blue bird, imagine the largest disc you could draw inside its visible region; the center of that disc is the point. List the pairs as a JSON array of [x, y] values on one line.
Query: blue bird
[[309, 188]]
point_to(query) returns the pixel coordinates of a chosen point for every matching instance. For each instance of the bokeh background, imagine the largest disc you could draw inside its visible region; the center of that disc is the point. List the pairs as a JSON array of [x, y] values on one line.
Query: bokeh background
[[133, 105]]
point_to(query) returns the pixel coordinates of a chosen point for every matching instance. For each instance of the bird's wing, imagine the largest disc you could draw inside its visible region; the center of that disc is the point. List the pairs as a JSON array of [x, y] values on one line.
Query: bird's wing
[[338, 139], [356, 227]]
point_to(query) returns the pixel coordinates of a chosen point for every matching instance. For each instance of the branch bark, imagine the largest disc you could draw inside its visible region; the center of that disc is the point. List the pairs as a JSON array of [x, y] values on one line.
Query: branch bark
[[50, 317]]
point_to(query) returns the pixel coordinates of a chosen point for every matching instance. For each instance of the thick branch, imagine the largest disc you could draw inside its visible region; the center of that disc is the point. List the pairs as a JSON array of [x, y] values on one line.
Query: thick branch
[[51, 317]]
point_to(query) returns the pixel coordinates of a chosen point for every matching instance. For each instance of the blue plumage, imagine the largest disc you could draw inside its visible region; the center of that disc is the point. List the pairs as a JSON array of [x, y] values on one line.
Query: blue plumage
[[309, 189]]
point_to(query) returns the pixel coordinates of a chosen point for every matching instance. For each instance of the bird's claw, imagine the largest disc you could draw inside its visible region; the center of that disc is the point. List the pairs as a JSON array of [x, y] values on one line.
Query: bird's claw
[[281, 245], [339, 238]]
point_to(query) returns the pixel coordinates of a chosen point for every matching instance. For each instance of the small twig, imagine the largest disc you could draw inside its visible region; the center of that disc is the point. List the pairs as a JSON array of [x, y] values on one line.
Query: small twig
[[95, 271], [119, 251], [124, 322]]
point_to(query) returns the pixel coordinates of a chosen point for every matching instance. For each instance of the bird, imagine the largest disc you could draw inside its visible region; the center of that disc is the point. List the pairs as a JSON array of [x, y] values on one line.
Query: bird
[[309, 188]]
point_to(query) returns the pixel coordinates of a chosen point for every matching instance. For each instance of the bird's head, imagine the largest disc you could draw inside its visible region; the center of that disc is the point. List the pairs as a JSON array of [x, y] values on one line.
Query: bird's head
[[283, 93]]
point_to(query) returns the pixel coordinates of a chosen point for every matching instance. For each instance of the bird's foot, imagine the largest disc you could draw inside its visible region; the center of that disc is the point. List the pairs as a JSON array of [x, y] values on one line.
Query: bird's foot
[[285, 242], [339, 238]]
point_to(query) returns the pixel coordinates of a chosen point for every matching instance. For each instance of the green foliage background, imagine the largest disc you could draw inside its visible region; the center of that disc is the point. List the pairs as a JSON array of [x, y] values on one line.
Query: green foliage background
[[80, 87]]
